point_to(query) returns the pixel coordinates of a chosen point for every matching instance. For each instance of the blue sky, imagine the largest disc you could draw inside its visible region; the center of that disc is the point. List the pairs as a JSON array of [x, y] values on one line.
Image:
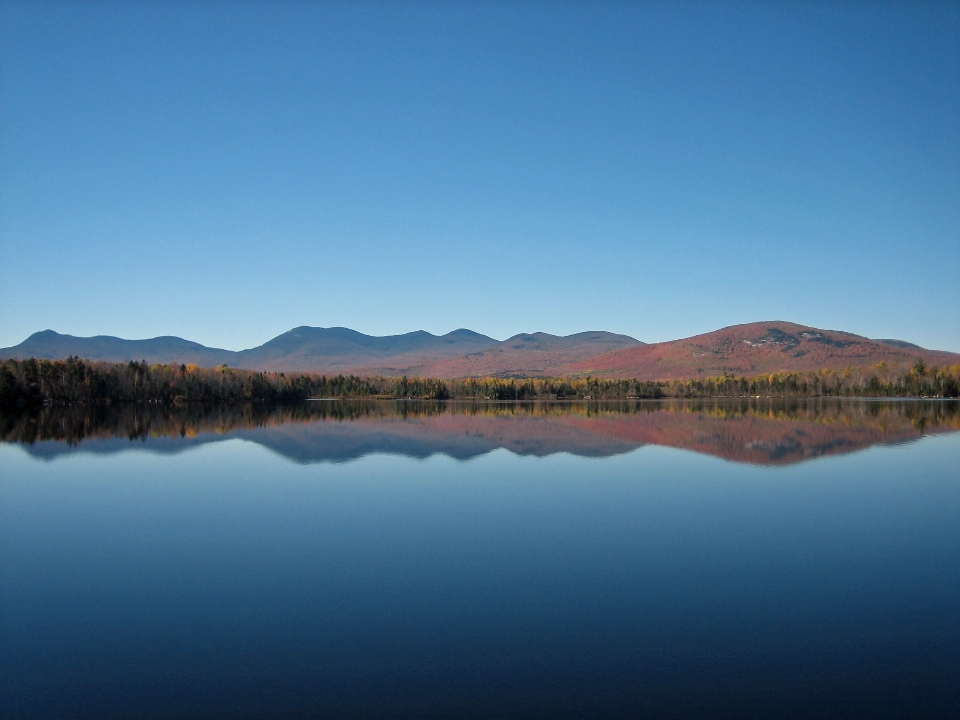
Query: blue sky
[[225, 173]]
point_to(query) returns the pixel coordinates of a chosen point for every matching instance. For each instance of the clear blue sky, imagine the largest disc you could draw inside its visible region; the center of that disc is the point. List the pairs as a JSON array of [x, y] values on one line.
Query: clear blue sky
[[225, 173]]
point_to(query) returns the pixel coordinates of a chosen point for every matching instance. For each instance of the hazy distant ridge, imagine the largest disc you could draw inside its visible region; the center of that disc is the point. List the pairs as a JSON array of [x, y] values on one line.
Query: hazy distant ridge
[[741, 350], [51, 345], [316, 349]]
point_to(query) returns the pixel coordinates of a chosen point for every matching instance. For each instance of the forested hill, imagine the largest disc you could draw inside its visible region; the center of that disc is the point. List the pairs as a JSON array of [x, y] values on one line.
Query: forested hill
[[753, 348]]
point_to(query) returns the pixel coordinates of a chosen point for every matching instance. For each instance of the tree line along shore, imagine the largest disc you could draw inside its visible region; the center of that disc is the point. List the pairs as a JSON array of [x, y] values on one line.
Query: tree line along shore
[[32, 382]]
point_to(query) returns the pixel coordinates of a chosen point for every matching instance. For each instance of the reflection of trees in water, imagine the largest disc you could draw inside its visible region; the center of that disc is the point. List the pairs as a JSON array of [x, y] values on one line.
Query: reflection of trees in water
[[697, 423]]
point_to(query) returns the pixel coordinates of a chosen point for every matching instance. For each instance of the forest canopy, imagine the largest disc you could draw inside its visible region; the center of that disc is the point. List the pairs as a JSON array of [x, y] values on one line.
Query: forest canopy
[[27, 382]]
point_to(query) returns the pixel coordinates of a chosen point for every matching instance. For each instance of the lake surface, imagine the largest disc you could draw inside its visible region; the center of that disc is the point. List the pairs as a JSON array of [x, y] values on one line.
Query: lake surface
[[404, 559]]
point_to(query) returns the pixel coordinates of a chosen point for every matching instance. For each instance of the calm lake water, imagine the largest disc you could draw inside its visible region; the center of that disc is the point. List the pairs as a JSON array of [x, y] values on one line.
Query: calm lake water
[[750, 559]]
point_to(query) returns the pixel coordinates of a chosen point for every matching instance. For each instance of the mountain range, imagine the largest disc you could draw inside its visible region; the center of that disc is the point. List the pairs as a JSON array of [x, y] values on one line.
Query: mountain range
[[749, 349]]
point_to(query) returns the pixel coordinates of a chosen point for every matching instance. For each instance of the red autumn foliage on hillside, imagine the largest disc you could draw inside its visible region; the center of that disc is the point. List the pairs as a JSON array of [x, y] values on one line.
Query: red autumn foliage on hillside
[[753, 349]]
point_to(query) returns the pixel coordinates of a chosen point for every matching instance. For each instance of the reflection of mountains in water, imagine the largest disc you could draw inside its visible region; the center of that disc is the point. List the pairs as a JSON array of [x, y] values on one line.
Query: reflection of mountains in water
[[759, 432]]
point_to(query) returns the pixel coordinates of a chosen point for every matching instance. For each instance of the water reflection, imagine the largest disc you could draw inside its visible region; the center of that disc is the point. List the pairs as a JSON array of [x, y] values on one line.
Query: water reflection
[[751, 431]]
